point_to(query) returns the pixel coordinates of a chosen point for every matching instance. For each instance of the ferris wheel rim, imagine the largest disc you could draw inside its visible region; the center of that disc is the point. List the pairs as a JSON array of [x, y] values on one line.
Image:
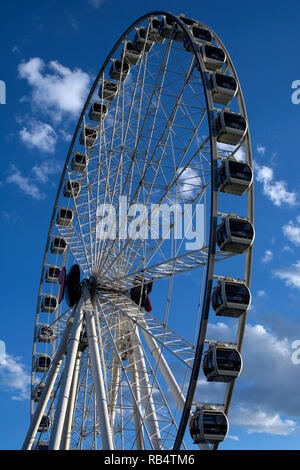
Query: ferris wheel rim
[[214, 191]]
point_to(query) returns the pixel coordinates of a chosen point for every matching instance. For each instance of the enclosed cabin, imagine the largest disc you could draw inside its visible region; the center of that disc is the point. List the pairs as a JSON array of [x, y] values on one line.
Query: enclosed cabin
[[71, 188], [78, 162], [97, 111], [45, 334], [201, 36], [88, 136], [44, 424], [48, 304], [208, 425], [42, 445], [231, 298], [52, 274], [223, 88], [43, 362], [230, 127], [119, 69], [125, 345], [83, 342], [167, 27], [139, 292], [221, 363], [213, 57], [154, 32], [235, 234], [179, 34], [234, 177], [130, 53], [58, 246], [37, 392], [108, 90], [64, 216], [141, 40]]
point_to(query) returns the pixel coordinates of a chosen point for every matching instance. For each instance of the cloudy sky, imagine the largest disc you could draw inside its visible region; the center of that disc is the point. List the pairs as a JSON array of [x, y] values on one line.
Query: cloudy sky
[[51, 52]]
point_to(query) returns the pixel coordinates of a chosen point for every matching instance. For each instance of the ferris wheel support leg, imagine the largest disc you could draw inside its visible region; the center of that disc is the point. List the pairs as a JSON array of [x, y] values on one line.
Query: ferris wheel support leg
[[163, 367], [115, 384], [62, 403], [101, 401], [146, 390], [47, 390], [134, 378], [66, 435]]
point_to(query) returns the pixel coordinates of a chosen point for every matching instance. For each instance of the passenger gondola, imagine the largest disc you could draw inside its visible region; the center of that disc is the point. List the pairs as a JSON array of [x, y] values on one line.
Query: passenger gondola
[[154, 33], [235, 234], [45, 334], [78, 162], [43, 362], [44, 424], [179, 34], [235, 177], [221, 363], [201, 36], [48, 304], [108, 90], [213, 57], [231, 298], [88, 136], [167, 27], [119, 69], [140, 291], [58, 246], [142, 41], [42, 445], [64, 216], [52, 274], [208, 425], [130, 53], [37, 392], [71, 188], [230, 127], [223, 88], [97, 111]]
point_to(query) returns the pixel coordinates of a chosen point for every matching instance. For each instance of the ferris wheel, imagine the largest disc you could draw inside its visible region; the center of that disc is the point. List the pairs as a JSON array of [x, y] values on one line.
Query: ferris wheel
[[150, 243]]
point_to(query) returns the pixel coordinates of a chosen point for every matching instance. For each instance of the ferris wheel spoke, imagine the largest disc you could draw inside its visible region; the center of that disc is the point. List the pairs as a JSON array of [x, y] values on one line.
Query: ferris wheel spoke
[[165, 337]]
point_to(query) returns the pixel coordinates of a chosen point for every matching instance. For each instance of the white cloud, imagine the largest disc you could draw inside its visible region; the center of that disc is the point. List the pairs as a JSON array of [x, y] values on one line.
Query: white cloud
[[261, 293], [291, 275], [39, 135], [56, 89], [292, 232], [261, 149], [268, 256], [275, 190], [259, 421], [14, 377], [24, 183], [47, 168]]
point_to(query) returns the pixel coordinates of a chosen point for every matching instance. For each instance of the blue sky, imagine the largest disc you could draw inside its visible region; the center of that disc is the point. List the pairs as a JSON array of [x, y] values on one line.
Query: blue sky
[[57, 46]]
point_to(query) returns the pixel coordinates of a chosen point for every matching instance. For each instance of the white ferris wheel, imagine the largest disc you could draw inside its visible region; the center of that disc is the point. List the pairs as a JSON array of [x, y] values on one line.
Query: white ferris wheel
[[163, 132]]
